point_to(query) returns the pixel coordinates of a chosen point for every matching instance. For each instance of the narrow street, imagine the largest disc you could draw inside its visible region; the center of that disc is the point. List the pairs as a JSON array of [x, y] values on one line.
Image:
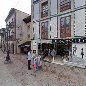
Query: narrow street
[[16, 74]]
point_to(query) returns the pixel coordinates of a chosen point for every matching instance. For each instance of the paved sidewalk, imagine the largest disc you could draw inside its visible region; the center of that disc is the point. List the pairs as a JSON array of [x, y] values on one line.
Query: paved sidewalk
[[6, 79]]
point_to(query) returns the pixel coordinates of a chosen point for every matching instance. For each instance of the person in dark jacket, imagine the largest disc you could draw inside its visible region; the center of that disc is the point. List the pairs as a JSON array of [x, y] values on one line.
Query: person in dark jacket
[[53, 53], [49, 54], [45, 53]]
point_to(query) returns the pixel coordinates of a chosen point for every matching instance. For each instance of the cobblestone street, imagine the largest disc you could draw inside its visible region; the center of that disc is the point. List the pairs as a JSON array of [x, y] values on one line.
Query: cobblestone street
[[16, 74]]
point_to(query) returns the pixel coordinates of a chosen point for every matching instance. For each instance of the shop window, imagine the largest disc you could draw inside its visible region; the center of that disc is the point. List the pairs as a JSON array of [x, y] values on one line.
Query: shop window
[[44, 8], [65, 5], [44, 30]]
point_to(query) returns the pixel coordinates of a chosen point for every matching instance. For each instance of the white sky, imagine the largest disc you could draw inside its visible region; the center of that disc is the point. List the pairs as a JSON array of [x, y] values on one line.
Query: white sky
[[6, 5]]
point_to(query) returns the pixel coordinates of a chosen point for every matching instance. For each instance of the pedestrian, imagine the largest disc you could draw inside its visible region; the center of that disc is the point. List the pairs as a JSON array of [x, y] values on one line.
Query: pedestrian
[[53, 53], [29, 59], [49, 54], [45, 53], [82, 53], [35, 64]]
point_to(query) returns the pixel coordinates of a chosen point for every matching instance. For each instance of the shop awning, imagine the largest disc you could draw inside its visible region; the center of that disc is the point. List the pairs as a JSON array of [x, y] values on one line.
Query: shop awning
[[25, 44], [76, 39]]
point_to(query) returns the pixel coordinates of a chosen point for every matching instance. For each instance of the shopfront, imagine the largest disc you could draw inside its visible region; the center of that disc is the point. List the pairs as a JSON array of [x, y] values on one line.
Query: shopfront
[[62, 46], [25, 47]]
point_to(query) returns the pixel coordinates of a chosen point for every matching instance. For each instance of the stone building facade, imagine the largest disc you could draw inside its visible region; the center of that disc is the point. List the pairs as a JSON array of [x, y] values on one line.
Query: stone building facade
[[61, 21], [14, 20]]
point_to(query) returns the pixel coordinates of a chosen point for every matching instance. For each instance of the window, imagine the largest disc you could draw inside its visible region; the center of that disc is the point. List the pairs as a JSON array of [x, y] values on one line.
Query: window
[[62, 25], [65, 5], [50, 28], [62, 22], [46, 25], [42, 25], [68, 22], [65, 22], [65, 26], [44, 12], [35, 1], [44, 30]]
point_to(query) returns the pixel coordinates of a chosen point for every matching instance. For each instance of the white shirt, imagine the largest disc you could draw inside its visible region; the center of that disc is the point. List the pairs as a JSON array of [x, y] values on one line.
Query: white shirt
[[29, 56]]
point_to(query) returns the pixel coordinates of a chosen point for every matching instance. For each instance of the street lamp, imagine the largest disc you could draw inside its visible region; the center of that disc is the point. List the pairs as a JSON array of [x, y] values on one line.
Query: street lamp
[[8, 60]]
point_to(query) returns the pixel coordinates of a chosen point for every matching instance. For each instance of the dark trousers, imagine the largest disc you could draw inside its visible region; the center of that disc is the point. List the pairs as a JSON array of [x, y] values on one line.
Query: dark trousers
[[29, 63]]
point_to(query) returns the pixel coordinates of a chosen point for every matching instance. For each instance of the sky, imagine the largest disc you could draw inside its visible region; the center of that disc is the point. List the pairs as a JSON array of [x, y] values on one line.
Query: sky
[[6, 5]]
